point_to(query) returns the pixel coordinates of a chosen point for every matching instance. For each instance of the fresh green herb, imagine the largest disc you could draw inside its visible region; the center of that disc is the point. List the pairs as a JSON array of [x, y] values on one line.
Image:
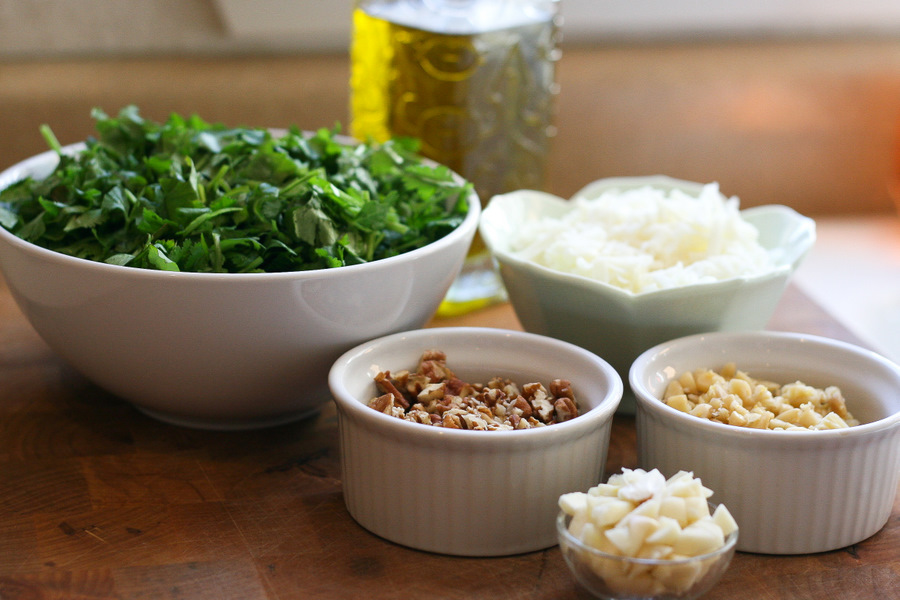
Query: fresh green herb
[[187, 195]]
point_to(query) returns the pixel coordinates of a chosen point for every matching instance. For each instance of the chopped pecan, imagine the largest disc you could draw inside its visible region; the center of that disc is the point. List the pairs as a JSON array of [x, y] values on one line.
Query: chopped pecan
[[431, 392], [490, 396], [537, 396], [437, 355], [514, 420], [473, 421], [434, 395], [418, 416], [415, 383], [451, 421], [400, 379], [433, 365], [562, 388], [521, 407], [485, 412], [383, 382], [383, 403], [565, 409], [505, 385], [457, 387]]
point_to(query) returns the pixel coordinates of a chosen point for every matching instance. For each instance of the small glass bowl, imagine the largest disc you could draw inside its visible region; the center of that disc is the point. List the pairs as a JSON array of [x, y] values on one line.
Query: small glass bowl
[[623, 578]]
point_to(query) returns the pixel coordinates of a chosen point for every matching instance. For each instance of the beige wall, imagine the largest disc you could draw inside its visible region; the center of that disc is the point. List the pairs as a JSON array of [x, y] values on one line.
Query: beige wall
[[811, 123], [41, 28], [38, 28]]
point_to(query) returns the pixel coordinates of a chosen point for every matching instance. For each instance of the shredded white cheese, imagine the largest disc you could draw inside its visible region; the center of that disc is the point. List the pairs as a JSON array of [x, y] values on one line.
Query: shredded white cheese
[[647, 239]]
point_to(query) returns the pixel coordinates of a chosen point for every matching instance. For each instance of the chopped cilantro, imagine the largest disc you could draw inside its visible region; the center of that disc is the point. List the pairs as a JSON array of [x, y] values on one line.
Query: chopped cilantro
[[187, 195]]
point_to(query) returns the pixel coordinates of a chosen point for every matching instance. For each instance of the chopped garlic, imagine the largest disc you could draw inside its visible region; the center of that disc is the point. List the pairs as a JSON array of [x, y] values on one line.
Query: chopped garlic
[[641, 514], [638, 489]]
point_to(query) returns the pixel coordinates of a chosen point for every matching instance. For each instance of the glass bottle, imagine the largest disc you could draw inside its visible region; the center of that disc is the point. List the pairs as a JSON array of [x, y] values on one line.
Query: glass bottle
[[474, 81]]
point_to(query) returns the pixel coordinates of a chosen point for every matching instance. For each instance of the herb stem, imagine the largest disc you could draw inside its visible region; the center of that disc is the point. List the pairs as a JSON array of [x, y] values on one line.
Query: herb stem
[[50, 138]]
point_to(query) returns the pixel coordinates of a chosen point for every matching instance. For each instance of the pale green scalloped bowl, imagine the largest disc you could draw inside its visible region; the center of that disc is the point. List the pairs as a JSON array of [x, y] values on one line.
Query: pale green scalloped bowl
[[616, 324]]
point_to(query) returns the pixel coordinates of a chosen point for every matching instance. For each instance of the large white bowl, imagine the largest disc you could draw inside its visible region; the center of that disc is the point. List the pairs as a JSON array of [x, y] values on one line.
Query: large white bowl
[[470, 493], [791, 492], [615, 323], [219, 350]]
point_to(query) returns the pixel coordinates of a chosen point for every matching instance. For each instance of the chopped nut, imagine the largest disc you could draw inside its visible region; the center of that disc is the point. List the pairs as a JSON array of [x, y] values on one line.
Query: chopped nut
[[435, 355], [431, 392], [434, 395], [733, 397], [435, 370], [451, 421], [521, 407], [737, 418], [701, 410], [472, 421], [384, 383], [383, 403], [565, 409], [538, 398], [679, 401], [418, 416], [562, 388]]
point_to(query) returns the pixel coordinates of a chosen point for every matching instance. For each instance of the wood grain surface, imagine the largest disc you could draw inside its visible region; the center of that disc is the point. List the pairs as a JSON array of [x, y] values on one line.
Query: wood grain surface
[[99, 502]]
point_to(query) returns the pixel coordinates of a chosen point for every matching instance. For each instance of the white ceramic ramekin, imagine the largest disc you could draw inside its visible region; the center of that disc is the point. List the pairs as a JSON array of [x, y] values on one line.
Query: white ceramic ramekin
[[470, 493], [791, 492]]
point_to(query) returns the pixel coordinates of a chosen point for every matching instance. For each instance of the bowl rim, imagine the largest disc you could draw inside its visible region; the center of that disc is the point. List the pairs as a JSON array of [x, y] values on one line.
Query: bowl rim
[[23, 168], [637, 377], [574, 428], [564, 534], [805, 235]]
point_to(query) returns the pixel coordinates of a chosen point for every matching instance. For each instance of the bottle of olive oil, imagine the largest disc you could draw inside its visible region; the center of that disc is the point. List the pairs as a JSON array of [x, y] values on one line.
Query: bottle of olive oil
[[474, 81]]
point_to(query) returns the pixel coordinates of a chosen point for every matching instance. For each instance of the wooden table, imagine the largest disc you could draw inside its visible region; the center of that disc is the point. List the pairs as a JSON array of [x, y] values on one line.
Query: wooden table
[[100, 502]]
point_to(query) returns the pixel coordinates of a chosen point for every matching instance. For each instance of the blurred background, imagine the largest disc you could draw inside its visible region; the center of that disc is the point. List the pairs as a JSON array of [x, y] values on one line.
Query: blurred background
[[780, 101], [793, 102]]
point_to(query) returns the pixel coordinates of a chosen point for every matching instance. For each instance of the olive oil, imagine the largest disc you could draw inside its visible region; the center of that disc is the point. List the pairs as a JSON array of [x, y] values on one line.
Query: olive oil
[[476, 88]]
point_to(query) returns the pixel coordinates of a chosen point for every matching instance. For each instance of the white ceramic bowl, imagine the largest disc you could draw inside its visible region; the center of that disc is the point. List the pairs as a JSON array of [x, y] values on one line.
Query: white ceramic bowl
[[791, 492], [470, 493], [219, 350], [617, 324]]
